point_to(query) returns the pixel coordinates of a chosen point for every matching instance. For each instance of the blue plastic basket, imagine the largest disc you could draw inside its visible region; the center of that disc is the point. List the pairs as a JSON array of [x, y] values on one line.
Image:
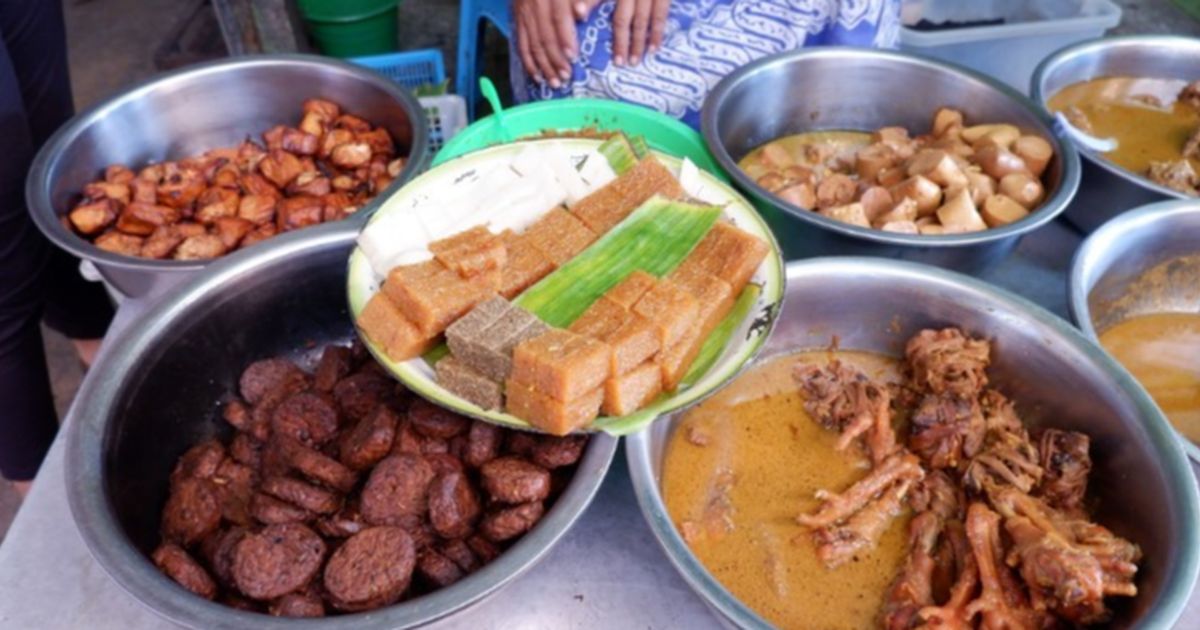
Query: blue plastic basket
[[411, 68]]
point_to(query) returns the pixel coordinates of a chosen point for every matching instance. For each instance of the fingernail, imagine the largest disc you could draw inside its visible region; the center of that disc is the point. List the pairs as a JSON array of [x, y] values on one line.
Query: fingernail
[[554, 82], [564, 75], [635, 60], [619, 60], [538, 78]]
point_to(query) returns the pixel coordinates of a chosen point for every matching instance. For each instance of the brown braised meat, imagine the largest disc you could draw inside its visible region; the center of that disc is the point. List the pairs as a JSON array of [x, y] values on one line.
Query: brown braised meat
[[913, 588], [1007, 457], [1190, 95], [842, 398], [338, 461], [1175, 174], [289, 184], [946, 430], [1067, 463], [948, 362]]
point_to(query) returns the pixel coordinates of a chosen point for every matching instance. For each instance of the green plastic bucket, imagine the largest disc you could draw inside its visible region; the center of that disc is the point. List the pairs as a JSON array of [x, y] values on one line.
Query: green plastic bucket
[[661, 132], [352, 28]]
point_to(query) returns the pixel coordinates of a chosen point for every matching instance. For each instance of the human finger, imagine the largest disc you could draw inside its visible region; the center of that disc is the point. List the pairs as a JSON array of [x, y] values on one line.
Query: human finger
[[658, 23], [583, 8], [621, 22], [523, 48], [639, 30], [559, 68]]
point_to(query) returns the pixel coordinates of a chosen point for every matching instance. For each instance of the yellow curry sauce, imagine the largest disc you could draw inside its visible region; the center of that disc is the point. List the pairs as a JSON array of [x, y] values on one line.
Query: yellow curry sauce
[[1162, 350], [736, 498], [1142, 114]]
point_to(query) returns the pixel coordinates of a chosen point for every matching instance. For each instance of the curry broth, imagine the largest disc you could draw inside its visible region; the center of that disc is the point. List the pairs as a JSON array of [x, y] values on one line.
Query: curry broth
[[1142, 114], [1162, 351], [772, 457]]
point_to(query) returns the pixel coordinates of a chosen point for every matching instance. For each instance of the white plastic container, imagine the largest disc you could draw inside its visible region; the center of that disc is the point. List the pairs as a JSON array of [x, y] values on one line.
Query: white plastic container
[[1011, 51]]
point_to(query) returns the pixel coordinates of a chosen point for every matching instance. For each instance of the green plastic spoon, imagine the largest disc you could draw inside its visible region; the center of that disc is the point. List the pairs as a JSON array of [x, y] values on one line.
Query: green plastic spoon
[[488, 89]]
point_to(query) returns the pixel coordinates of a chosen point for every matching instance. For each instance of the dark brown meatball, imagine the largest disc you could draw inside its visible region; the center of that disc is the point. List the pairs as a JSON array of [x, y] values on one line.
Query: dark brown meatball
[[246, 450], [298, 605], [199, 462], [235, 486], [336, 362], [193, 511], [453, 505], [271, 511], [370, 440], [435, 422], [218, 550], [483, 443], [318, 466], [347, 522], [444, 463], [301, 494], [484, 549], [237, 414], [556, 452], [409, 440], [172, 560], [373, 567], [510, 522], [397, 488], [512, 480], [359, 394], [267, 375], [460, 552], [437, 570], [276, 561], [520, 443], [306, 417]]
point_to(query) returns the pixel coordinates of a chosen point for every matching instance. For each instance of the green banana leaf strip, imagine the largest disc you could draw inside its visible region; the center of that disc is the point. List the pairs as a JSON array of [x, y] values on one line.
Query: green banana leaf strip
[[619, 152], [709, 353], [640, 148], [655, 238]]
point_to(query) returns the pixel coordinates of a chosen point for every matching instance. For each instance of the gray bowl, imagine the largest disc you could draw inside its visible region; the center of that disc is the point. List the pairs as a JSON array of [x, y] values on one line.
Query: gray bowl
[[1109, 189], [191, 110], [1104, 287], [156, 392], [1140, 478], [847, 88]]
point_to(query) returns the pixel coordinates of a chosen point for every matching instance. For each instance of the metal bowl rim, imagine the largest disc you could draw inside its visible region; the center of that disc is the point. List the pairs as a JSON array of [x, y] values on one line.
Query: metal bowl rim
[[133, 571], [36, 183], [1051, 207], [1178, 584], [1096, 245], [1062, 55]]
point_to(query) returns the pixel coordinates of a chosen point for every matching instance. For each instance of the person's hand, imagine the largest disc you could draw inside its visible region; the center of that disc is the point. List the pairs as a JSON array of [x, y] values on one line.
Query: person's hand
[[638, 27], [545, 32]]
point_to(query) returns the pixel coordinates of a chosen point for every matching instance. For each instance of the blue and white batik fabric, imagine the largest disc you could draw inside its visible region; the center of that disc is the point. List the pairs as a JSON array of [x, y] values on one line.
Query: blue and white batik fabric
[[706, 40]]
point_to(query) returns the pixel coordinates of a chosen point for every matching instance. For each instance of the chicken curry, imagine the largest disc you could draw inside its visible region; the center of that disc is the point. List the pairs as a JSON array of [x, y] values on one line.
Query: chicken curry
[[1162, 350], [837, 489], [1155, 121]]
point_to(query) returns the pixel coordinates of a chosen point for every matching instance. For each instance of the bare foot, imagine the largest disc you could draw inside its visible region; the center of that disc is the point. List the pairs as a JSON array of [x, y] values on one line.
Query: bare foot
[[22, 487], [87, 350]]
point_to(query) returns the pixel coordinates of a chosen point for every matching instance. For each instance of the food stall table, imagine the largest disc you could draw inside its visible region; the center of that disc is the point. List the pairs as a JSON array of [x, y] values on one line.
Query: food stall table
[[607, 572]]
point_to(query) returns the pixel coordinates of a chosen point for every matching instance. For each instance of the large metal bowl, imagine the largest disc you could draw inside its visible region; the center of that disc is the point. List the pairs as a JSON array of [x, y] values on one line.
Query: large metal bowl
[[1108, 276], [156, 391], [1141, 479], [194, 109], [1109, 189], [847, 88]]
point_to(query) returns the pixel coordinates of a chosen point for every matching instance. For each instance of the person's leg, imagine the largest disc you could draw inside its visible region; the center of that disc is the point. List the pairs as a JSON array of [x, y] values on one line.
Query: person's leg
[[35, 37], [27, 424]]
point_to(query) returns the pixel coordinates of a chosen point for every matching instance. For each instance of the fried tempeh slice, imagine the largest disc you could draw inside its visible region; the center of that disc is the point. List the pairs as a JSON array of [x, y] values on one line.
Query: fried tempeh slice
[[629, 392], [552, 416], [729, 253], [559, 236], [432, 296], [386, 326], [605, 208], [471, 252], [561, 364]]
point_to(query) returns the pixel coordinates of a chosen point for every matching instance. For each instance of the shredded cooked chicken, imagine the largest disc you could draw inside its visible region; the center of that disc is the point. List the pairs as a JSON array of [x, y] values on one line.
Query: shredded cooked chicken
[[1001, 538]]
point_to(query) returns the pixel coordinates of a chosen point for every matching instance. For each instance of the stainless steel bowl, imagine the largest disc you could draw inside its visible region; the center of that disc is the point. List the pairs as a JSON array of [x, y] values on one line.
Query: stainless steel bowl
[[1108, 189], [1141, 478], [847, 88], [1108, 276], [156, 392], [194, 109]]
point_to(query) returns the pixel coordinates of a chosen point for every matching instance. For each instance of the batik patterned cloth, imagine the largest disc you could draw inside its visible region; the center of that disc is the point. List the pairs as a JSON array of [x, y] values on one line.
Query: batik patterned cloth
[[704, 41]]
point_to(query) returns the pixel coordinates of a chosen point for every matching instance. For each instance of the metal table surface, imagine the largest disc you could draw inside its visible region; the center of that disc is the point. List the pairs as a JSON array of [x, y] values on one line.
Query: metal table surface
[[607, 572]]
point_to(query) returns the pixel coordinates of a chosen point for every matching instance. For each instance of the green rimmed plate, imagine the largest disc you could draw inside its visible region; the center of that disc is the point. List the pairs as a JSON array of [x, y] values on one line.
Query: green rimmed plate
[[734, 344]]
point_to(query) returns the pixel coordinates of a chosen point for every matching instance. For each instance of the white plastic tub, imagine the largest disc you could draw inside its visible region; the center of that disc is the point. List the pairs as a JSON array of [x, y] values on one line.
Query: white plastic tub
[[1011, 51]]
